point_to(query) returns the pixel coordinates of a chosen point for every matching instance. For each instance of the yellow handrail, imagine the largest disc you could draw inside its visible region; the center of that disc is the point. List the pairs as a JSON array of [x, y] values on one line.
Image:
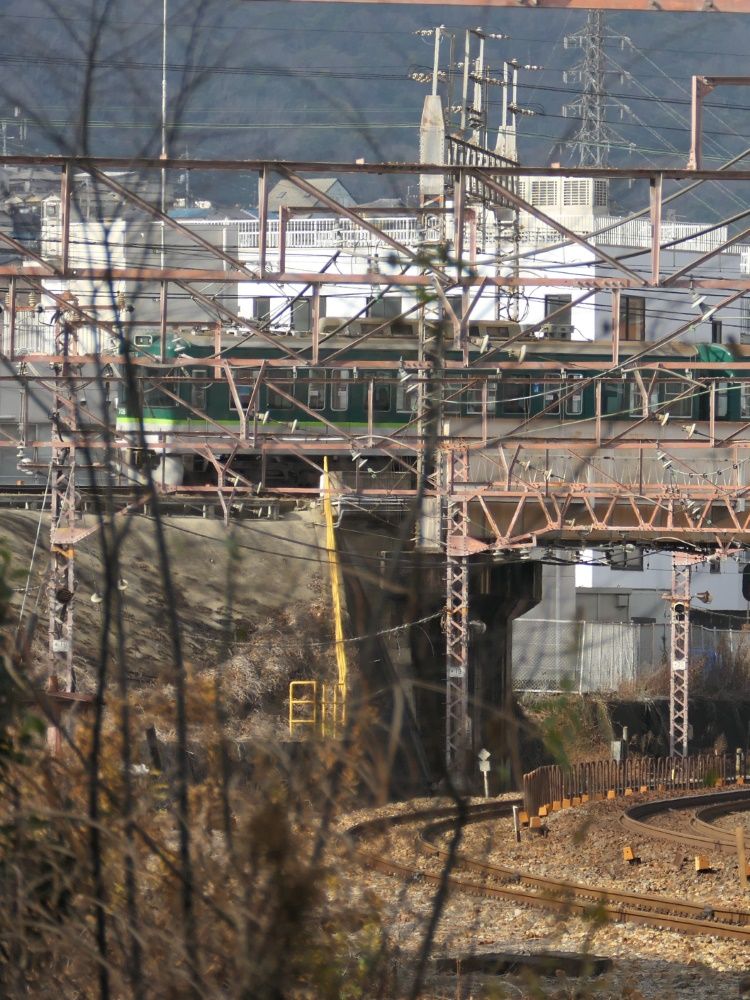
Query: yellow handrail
[[337, 596]]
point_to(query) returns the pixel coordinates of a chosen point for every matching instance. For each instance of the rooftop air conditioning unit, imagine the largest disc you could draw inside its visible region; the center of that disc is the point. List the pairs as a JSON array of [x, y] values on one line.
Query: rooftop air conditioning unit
[[557, 331]]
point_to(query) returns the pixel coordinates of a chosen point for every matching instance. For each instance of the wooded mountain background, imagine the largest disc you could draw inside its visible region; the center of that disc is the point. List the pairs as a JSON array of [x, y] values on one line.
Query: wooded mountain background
[[330, 81]]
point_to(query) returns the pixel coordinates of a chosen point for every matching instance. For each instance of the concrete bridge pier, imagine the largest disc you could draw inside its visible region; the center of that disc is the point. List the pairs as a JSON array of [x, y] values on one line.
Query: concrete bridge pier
[[498, 593]]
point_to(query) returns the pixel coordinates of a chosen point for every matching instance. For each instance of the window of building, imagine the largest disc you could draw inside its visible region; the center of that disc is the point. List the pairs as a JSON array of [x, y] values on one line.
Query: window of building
[[340, 389], [544, 192], [316, 389], [386, 308], [381, 397], [601, 194], [302, 315], [717, 333], [625, 559], [632, 317], [262, 308], [576, 191], [554, 302]]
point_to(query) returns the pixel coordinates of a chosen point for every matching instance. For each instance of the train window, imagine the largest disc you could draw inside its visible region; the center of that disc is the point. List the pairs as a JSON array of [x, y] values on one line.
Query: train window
[[574, 402], [613, 399], [452, 398], [722, 400], [316, 390], [199, 389], [514, 397], [340, 389], [302, 315], [406, 398], [550, 393], [676, 397], [744, 401], [637, 406], [143, 339], [244, 392], [381, 397], [275, 401], [474, 398]]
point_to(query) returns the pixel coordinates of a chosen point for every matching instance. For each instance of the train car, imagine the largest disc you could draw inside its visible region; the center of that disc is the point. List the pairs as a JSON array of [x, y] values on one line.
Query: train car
[[373, 391]]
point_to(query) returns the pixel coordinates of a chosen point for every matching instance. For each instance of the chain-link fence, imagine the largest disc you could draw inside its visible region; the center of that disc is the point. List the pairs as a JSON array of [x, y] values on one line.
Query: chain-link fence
[[551, 655]]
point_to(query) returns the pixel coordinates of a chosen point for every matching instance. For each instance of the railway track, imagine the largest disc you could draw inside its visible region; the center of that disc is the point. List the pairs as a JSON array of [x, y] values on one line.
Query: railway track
[[704, 836], [523, 888]]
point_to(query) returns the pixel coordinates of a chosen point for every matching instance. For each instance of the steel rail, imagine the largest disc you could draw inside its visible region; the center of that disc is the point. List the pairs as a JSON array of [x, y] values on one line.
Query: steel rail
[[552, 894], [703, 817], [575, 890], [632, 820]]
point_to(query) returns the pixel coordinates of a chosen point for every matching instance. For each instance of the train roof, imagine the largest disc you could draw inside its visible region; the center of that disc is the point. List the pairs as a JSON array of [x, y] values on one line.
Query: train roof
[[544, 349]]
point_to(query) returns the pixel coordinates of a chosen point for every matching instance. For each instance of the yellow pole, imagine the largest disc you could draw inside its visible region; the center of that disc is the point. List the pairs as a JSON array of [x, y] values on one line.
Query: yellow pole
[[337, 592]]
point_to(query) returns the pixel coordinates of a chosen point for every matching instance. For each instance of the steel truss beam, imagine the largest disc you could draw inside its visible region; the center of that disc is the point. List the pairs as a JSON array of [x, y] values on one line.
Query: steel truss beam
[[644, 6]]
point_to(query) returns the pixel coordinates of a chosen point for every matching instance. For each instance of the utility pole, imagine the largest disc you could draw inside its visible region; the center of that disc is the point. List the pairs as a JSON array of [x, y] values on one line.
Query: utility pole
[[594, 138]]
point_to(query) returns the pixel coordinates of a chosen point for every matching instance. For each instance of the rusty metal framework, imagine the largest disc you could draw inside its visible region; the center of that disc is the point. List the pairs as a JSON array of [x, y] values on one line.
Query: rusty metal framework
[[645, 6], [503, 487]]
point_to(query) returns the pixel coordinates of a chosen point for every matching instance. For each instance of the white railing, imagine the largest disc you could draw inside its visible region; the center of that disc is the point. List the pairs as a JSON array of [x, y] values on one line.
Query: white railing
[[332, 233], [35, 336], [635, 233]]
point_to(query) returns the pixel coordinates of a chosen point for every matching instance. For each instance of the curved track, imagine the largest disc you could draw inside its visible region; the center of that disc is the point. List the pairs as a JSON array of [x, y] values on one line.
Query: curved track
[[705, 837], [500, 882]]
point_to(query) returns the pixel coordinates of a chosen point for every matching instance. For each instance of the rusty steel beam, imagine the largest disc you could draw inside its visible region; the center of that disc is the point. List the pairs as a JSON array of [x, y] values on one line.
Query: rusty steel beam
[[643, 6], [374, 167]]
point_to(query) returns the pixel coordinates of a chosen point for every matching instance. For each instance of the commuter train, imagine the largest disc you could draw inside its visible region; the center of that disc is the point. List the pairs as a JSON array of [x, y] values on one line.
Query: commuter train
[[315, 408]]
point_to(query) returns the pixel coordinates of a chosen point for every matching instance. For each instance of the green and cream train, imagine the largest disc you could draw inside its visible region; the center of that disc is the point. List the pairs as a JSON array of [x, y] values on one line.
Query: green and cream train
[[276, 402]]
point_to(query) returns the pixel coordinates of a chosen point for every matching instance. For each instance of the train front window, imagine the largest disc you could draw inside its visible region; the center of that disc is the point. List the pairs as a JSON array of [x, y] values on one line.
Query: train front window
[[155, 395]]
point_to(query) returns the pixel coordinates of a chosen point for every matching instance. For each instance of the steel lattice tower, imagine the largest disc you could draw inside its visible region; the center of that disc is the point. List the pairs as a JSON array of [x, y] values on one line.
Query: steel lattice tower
[[594, 137]]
